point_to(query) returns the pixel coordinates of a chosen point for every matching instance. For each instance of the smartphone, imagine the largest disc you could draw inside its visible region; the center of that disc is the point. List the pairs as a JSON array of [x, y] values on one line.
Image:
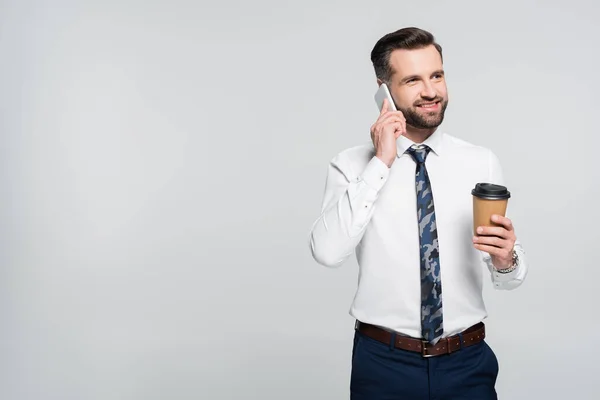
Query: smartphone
[[384, 93]]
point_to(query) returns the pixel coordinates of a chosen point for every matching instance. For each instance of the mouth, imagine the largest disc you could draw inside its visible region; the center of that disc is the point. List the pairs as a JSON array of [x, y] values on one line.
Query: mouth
[[431, 106]]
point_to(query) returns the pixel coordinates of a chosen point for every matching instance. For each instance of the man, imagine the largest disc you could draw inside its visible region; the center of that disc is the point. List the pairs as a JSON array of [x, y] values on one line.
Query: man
[[403, 203]]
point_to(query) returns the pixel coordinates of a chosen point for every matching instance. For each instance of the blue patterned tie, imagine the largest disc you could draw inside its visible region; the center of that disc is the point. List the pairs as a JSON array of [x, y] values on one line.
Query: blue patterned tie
[[431, 283]]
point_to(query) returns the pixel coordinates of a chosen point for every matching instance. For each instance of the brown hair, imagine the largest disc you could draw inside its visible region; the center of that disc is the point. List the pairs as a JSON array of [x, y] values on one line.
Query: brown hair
[[410, 38]]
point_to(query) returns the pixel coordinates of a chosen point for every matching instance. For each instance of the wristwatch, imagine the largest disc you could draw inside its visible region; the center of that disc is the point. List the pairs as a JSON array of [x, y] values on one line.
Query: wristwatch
[[513, 265]]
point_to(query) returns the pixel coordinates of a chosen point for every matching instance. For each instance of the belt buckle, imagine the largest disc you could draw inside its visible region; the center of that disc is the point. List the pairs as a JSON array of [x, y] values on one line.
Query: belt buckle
[[424, 350]]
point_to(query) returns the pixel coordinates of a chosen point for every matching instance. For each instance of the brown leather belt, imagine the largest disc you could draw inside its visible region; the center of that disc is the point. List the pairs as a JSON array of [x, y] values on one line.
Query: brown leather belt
[[471, 336]]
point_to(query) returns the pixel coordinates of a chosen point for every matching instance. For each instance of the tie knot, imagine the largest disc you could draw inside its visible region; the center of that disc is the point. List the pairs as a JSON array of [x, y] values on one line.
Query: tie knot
[[419, 152]]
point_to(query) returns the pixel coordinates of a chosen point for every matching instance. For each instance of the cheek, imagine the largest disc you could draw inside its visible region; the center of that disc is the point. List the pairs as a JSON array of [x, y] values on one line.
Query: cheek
[[407, 97], [442, 90]]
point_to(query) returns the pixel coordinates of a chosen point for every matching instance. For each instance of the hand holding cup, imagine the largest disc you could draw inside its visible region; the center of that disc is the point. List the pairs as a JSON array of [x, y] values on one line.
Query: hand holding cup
[[493, 231]]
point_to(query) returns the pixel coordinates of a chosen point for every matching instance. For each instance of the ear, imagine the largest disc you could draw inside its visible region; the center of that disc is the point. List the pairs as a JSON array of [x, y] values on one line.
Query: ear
[[379, 82]]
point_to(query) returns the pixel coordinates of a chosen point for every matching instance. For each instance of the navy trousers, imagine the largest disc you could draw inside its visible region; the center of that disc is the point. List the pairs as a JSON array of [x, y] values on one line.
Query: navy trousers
[[382, 372]]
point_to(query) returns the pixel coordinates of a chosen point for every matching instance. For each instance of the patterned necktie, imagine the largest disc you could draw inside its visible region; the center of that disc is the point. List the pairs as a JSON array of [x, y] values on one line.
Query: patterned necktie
[[431, 284]]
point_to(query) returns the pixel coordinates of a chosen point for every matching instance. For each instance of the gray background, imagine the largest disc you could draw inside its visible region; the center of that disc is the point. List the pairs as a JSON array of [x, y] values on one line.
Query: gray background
[[162, 163]]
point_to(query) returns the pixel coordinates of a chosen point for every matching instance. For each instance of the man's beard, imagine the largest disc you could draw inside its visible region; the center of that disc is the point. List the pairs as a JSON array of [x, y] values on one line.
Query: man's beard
[[426, 120]]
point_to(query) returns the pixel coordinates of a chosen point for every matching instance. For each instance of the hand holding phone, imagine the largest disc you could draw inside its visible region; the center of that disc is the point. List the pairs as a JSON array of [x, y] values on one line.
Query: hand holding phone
[[388, 127]]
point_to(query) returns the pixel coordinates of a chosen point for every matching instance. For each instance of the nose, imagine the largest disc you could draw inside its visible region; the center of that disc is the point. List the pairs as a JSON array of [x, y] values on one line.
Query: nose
[[428, 91]]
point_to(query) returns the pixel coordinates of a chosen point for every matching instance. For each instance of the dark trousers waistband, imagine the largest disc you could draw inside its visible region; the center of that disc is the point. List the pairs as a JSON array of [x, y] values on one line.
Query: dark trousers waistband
[[470, 336]]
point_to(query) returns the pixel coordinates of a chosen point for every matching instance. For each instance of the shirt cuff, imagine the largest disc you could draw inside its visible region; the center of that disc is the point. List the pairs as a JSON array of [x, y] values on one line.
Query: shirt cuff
[[375, 174], [502, 279], [506, 276]]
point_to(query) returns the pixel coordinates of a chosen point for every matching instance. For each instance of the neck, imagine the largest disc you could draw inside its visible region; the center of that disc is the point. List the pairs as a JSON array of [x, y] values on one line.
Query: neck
[[418, 135]]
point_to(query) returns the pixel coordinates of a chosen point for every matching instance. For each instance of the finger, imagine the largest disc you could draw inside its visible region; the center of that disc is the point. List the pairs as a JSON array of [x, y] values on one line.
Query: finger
[[390, 114], [505, 222], [490, 241], [390, 117], [379, 126], [400, 130], [385, 107], [491, 250], [396, 126], [493, 231]]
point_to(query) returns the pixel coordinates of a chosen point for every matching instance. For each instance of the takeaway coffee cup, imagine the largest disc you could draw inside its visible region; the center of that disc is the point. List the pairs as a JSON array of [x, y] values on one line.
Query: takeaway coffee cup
[[488, 199]]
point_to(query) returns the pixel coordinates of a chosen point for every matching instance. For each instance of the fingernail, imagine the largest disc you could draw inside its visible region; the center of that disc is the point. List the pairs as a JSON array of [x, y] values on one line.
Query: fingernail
[[479, 230]]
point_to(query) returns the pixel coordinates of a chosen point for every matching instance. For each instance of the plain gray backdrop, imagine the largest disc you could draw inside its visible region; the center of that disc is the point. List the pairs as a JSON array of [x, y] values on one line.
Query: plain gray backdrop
[[162, 162]]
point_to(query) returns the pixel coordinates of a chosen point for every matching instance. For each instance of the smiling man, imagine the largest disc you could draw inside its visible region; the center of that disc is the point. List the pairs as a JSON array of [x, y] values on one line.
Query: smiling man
[[403, 204]]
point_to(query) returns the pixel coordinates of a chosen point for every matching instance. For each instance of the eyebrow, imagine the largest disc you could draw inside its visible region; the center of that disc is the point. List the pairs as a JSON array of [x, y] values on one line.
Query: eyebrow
[[408, 78]]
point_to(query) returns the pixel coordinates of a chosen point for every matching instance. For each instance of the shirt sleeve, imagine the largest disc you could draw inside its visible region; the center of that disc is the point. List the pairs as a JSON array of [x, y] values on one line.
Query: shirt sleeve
[[348, 204], [513, 279]]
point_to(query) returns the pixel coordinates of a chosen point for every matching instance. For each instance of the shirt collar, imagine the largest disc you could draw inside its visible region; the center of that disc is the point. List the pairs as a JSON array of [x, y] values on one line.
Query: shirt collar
[[434, 142]]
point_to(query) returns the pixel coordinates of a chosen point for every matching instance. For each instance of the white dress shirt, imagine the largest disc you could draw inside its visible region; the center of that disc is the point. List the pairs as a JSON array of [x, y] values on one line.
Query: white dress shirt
[[370, 209]]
